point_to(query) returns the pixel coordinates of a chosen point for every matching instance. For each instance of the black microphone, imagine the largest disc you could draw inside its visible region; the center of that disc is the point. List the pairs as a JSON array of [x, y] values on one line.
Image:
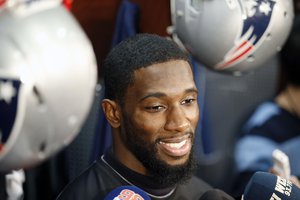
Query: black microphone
[[267, 186], [215, 194], [127, 193]]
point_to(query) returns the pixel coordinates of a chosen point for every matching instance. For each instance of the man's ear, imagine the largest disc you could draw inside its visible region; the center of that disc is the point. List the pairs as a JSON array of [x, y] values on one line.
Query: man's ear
[[112, 112]]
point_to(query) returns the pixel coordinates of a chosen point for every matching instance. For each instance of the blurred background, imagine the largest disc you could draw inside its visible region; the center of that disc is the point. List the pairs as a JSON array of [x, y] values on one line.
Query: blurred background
[[226, 101]]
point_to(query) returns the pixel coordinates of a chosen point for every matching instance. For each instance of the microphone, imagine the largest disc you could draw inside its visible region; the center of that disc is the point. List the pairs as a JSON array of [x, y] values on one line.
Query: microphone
[[215, 194], [267, 186], [127, 193]]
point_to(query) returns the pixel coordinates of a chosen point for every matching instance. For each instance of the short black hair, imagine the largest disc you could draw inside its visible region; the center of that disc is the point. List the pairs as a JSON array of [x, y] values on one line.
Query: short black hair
[[133, 53], [290, 54]]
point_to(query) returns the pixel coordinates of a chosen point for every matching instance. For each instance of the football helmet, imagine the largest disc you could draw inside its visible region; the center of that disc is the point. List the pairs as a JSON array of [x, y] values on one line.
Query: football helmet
[[232, 35], [48, 76]]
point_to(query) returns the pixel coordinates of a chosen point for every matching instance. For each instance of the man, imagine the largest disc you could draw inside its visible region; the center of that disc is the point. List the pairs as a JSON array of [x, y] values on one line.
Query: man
[[151, 104]]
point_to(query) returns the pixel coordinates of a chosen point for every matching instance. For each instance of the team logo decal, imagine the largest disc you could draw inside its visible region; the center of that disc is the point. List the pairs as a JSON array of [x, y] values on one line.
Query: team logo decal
[[9, 92], [128, 194], [255, 25]]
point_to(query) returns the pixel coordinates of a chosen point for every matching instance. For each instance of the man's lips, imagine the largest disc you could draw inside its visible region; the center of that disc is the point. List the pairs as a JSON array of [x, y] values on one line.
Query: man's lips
[[176, 146]]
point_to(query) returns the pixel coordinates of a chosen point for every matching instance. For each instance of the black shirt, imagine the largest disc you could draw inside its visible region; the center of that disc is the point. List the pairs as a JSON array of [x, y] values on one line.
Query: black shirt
[[106, 174]]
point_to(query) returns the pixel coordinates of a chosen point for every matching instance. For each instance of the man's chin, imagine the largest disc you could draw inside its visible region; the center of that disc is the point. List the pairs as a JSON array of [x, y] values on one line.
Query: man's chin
[[176, 161], [170, 173]]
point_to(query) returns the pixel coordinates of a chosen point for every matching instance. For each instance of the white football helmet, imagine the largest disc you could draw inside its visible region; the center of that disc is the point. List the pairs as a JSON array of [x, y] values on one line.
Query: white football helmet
[[48, 76], [232, 35]]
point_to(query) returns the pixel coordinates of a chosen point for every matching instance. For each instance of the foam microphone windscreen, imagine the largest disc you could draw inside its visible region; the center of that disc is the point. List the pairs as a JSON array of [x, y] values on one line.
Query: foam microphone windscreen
[[215, 194], [267, 186], [127, 193]]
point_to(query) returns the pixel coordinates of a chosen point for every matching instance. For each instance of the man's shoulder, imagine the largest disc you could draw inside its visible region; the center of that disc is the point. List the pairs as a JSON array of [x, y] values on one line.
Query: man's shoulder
[[97, 179]]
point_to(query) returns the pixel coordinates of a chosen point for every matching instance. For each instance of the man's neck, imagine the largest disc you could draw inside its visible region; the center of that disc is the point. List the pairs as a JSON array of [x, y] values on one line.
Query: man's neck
[[289, 99], [152, 188], [125, 157]]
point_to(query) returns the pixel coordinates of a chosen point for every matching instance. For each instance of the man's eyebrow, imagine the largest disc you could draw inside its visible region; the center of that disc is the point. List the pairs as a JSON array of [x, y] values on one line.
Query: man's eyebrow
[[161, 94], [154, 94], [191, 90]]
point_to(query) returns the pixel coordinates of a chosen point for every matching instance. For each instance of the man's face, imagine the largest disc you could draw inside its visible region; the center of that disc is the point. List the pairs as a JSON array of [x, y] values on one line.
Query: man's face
[[160, 116]]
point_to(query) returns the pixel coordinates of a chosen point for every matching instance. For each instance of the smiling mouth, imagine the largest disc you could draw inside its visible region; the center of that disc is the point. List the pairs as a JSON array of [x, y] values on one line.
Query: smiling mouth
[[177, 146]]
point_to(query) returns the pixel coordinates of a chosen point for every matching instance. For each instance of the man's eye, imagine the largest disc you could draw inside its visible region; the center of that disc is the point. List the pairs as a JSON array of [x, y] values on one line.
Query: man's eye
[[188, 101], [154, 108]]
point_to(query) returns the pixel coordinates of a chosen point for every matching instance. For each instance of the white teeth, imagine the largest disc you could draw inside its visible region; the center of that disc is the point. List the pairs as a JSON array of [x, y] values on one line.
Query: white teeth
[[175, 145]]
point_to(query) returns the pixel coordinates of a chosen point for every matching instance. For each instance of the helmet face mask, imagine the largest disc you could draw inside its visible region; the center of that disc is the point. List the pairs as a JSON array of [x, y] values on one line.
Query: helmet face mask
[[232, 36], [48, 76]]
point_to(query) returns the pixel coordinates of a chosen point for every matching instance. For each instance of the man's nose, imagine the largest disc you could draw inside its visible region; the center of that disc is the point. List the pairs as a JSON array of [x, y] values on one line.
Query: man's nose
[[177, 120]]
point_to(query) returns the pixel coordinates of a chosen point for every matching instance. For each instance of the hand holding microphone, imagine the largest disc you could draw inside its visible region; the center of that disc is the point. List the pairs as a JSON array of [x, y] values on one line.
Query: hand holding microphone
[[282, 167]]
